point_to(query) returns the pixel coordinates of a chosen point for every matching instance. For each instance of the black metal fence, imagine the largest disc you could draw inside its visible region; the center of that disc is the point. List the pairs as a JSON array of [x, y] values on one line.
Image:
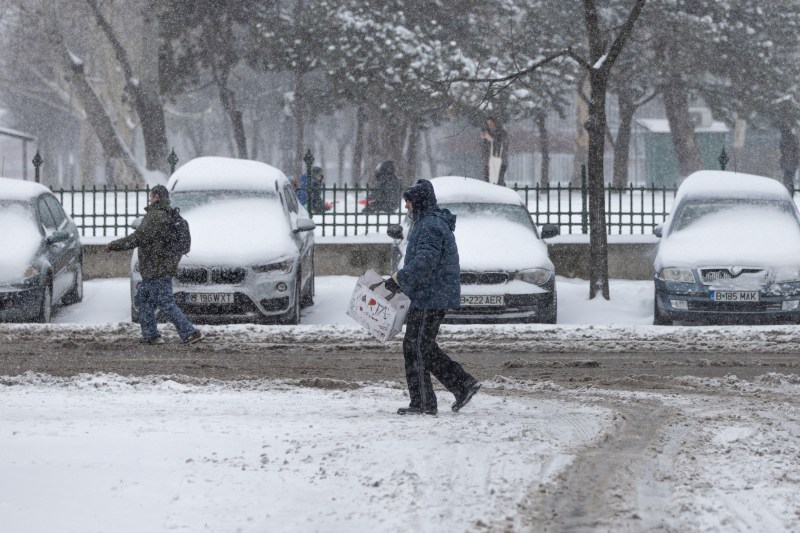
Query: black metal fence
[[104, 211]]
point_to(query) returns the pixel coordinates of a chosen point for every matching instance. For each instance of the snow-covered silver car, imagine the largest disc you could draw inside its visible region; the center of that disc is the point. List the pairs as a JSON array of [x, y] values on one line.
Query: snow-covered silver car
[[506, 274], [728, 252], [252, 254], [41, 263]]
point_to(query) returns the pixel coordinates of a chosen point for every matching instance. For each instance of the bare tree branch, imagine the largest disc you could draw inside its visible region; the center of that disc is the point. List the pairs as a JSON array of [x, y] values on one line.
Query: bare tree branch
[[516, 75]]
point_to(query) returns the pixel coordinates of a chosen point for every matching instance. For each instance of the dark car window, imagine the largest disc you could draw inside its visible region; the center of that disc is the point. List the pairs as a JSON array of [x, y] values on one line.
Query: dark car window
[[56, 210], [291, 199], [45, 216]]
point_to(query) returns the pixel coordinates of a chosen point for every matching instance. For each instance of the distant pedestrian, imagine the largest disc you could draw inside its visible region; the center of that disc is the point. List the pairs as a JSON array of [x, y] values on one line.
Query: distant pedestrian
[[309, 191], [385, 198], [158, 263], [494, 151], [430, 277]]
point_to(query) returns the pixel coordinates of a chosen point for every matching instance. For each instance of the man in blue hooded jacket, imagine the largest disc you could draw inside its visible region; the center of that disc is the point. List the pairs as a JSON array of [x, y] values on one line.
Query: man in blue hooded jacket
[[430, 277]]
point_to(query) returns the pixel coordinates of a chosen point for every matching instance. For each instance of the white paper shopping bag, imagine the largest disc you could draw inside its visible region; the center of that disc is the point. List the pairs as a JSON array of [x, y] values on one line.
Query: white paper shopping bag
[[376, 308]]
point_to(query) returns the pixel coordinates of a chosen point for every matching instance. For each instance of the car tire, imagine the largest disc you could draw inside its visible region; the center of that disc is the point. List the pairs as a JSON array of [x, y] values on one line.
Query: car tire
[[293, 317], [75, 294], [658, 318], [308, 299], [551, 316], [46, 304]]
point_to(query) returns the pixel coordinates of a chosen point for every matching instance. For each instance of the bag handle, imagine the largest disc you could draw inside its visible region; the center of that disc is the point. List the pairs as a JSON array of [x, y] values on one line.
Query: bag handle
[[392, 294]]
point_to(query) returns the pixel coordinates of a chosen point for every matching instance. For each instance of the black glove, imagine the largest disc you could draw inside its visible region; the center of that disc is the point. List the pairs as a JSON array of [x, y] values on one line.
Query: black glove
[[391, 285]]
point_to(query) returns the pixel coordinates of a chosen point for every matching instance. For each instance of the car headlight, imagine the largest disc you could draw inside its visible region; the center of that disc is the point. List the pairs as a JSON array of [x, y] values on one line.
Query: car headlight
[[537, 276], [683, 275], [787, 274], [30, 272], [283, 267]]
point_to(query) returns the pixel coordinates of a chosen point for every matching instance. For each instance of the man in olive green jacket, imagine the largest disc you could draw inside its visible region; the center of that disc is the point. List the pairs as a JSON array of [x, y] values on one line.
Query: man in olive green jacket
[[157, 265]]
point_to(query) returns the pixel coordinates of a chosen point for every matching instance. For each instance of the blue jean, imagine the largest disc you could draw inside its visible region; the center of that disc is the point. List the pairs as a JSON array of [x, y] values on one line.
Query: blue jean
[[156, 293]]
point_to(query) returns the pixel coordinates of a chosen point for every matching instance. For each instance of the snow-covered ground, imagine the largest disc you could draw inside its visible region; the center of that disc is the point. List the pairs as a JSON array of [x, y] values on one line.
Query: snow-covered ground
[[102, 452]]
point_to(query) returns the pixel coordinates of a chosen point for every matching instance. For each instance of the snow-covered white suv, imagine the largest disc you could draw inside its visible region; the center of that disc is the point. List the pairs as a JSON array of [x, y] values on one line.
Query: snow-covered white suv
[[729, 252], [252, 255]]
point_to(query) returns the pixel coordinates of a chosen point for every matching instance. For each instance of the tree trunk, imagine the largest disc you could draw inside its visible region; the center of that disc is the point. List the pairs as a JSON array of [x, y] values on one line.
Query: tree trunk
[[676, 104], [544, 147], [412, 155], [143, 88], [228, 99], [598, 240], [102, 124], [299, 123], [432, 167], [627, 108], [358, 147], [790, 155], [581, 136]]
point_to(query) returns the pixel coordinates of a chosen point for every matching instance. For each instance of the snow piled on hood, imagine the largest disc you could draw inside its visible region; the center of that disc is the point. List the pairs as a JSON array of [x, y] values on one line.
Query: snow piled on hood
[[486, 243], [238, 233], [19, 241], [743, 235]]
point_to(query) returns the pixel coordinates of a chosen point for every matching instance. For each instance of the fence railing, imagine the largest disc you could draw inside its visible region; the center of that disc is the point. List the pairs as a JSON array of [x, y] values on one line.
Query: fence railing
[[104, 211]]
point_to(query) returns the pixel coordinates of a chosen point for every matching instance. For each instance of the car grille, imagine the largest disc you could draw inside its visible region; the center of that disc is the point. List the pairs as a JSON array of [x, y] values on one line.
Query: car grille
[[735, 307], [205, 276], [715, 275], [483, 278], [232, 276]]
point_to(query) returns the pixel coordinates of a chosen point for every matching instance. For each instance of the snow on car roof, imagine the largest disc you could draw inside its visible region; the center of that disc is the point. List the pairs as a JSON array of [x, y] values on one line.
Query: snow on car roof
[[13, 189], [225, 173], [720, 183], [458, 189]]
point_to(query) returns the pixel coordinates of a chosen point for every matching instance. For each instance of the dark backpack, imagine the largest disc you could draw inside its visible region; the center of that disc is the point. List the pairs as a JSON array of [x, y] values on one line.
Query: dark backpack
[[177, 237]]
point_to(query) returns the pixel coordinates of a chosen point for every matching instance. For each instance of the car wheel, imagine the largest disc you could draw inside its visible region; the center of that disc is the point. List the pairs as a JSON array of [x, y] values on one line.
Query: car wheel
[[294, 312], [75, 294], [551, 315], [46, 304], [658, 318], [308, 299]]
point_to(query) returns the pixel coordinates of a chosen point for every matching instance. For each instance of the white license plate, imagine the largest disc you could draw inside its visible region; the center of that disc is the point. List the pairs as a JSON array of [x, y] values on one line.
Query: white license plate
[[492, 300], [211, 298], [734, 296]]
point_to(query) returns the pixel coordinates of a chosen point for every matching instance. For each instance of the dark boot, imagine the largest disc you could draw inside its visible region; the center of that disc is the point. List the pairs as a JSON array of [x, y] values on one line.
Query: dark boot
[[464, 398], [411, 410]]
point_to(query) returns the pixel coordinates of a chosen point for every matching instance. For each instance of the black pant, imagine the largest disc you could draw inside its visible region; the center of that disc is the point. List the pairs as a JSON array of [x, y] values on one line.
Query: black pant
[[423, 357]]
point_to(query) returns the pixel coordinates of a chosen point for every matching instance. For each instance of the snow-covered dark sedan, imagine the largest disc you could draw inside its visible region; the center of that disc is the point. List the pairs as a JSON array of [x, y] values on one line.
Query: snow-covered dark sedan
[[729, 252], [41, 263]]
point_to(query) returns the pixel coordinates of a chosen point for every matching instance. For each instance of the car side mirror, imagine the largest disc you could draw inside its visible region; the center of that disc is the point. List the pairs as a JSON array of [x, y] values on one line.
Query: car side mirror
[[305, 224], [395, 231], [550, 230], [58, 236], [136, 222], [658, 230]]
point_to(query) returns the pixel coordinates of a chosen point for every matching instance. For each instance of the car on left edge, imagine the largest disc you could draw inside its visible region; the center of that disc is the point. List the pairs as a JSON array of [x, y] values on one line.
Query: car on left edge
[[42, 260]]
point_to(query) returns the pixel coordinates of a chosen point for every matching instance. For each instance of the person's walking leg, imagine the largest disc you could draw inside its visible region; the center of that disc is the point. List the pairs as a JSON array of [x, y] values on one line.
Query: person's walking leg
[[173, 313], [144, 301], [413, 319], [449, 372], [425, 338]]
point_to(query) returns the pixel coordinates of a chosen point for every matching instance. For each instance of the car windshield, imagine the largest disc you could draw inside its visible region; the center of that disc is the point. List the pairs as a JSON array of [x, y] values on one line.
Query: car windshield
[[712, 211], [512, 213], [187, 200]]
